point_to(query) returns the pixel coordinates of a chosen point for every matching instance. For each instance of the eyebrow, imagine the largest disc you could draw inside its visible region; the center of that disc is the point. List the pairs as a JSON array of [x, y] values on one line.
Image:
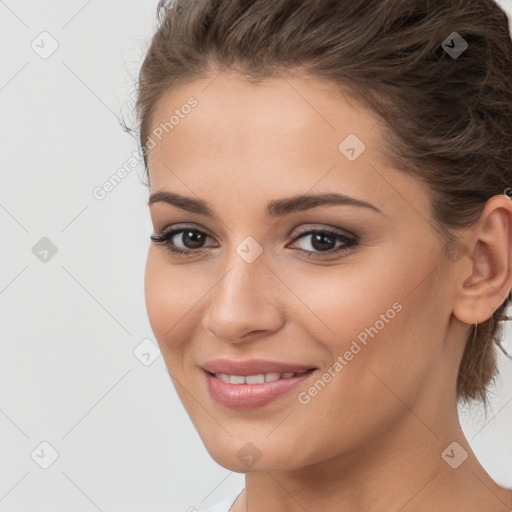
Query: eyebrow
[[275, 207]]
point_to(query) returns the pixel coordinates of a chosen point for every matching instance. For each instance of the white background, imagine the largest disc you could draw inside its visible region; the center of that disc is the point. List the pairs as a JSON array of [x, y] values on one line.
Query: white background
[[68, 375]]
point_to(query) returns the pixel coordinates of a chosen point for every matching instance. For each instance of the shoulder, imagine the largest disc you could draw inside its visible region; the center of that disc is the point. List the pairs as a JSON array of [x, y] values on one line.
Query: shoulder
[[225, 504]]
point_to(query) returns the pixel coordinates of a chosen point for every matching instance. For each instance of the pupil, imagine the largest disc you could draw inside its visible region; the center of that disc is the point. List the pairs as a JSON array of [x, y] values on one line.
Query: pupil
[[321, 238], [195, 237]]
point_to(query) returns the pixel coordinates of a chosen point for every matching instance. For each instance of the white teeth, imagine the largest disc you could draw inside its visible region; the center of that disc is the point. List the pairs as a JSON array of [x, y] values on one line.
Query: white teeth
[[237, 379], [256, 379]]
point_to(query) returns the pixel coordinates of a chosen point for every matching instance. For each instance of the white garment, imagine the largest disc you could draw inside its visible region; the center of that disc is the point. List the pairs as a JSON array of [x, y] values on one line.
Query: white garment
[[225, 504]]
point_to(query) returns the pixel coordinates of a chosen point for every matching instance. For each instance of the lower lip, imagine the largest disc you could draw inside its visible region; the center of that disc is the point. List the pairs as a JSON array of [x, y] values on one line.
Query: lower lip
[[249, 396]]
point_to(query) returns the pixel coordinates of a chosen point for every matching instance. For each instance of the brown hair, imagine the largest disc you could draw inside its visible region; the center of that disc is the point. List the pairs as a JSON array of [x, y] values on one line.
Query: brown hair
[[448, 116]]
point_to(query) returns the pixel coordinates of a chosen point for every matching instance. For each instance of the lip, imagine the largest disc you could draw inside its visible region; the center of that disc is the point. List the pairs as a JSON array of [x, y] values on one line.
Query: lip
[[252, 367], [250, 396]]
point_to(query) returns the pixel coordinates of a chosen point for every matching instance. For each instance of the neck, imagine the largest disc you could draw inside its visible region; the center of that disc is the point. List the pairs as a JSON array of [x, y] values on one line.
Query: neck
[[401, 469]]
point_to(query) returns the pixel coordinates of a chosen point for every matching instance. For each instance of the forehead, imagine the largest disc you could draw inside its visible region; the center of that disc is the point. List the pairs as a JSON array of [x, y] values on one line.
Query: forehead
[[279, 137], [228, 109]]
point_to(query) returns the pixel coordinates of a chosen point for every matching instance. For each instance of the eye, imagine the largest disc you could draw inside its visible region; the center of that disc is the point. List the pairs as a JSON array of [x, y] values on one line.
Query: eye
[[192, 238], [324, 241]]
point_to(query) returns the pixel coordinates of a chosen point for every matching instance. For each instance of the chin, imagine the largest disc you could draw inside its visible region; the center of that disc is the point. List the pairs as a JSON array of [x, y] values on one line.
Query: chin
[[242, 456]]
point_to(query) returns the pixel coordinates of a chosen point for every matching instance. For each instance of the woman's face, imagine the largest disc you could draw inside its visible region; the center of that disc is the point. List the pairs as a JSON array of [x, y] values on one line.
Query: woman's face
[[369, 309]]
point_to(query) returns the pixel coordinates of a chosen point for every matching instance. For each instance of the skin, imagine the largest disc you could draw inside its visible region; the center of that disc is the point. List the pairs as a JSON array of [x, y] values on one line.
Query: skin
[[373, 437]]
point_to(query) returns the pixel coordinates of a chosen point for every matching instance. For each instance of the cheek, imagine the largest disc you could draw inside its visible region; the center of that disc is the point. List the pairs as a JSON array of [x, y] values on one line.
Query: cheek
[[343, 303], [170, 295], [375, 317]]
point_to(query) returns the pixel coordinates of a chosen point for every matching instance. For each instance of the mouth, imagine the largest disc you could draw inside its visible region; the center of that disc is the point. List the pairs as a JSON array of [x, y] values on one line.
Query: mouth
[[259, 378], [253, 391], [253, 367]]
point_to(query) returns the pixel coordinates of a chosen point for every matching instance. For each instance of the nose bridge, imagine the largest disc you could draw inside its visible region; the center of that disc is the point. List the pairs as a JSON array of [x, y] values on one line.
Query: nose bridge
[[241, 301], [246, 271], [242, 284]]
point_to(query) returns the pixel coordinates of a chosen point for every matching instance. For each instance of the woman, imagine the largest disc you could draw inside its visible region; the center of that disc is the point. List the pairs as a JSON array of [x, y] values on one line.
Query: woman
[[331, 257]]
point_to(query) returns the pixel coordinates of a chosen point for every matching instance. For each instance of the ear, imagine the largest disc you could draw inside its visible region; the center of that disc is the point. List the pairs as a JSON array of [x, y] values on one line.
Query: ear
[[485, 281]]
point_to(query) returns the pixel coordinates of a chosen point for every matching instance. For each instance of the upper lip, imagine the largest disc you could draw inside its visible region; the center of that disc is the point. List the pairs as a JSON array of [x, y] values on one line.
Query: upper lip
[[252, 367]]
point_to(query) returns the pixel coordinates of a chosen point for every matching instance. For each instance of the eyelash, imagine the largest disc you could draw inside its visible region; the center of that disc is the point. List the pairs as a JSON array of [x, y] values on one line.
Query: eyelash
[[164, 238]]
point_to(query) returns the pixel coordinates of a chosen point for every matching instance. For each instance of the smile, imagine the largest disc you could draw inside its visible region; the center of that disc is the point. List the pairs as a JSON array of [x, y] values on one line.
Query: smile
[[257, 379], [252, 391]]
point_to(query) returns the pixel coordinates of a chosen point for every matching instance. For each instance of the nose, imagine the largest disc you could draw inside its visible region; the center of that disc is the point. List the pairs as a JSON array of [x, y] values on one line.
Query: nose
[[245, 303]]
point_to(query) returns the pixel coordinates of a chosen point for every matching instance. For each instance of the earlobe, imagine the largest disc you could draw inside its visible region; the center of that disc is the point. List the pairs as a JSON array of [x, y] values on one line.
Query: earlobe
[[488, 282]]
